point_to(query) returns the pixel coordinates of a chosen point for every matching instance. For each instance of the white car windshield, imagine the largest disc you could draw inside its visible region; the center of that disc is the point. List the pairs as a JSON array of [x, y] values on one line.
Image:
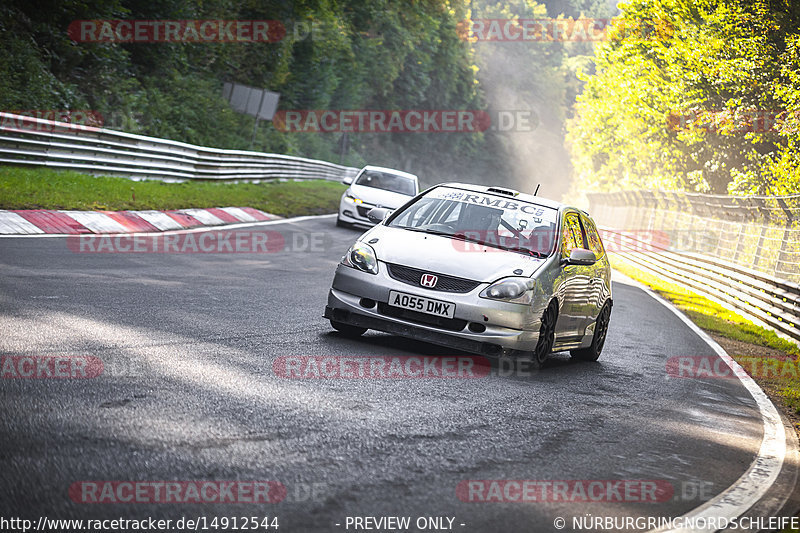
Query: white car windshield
[[492, 220], [387, 182]]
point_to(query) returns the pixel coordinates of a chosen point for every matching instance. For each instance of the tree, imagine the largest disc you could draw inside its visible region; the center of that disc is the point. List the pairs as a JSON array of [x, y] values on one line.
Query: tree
[[680, 95]]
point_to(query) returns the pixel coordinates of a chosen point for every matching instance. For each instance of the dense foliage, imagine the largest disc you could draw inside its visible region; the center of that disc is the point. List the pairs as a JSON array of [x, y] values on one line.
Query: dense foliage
[[336, 54], [700, 95], [379, 54]]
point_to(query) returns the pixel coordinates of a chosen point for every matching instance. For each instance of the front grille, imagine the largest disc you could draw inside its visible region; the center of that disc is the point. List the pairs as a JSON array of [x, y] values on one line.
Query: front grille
[[362, 211], [445, 283], [450, 324]]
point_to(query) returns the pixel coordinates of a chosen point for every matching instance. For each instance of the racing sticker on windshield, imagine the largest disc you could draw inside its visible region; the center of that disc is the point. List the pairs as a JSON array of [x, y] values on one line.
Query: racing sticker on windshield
[[538, 214]]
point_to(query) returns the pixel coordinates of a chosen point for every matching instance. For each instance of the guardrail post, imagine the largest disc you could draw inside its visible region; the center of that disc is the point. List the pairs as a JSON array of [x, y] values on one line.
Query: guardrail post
[[620, 209], [683, 208], [718, 208], [658, 211], [742, 225], [635, 211], [759, 203]]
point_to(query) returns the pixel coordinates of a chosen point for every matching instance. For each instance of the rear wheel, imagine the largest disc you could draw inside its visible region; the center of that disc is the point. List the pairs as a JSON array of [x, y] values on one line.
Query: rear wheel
[[592, 353], [347, 330], [547, 334]]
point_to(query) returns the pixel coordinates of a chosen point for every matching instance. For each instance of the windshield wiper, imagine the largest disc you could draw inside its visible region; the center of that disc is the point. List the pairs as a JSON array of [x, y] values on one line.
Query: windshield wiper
[[522, 249], [426, 230], [459, 236], [431, 231]]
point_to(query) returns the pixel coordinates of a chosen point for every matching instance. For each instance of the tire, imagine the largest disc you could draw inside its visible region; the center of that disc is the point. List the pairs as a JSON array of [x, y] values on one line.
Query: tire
[[347, 330], [547, 335], [592, 353], [342, 224]]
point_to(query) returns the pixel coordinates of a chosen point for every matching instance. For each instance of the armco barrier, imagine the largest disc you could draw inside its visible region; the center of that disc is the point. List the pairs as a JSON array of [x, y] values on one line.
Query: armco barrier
[[741, 251], [38, 142]]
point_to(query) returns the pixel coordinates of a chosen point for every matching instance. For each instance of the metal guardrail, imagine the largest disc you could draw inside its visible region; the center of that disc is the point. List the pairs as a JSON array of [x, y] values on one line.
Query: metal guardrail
[[38, 142], [743, 252]]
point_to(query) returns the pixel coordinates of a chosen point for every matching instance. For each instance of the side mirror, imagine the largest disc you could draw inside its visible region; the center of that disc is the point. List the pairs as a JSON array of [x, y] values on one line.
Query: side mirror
[[580, 256], [378, 214], [347, 181]]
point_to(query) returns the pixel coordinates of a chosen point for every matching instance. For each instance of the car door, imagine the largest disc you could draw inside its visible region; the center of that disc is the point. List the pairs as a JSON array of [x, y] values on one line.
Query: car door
[[599, 271], [574, 282]]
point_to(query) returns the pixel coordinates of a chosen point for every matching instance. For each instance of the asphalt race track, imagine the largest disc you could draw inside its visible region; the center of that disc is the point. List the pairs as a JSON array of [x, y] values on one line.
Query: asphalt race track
[[188, 393]]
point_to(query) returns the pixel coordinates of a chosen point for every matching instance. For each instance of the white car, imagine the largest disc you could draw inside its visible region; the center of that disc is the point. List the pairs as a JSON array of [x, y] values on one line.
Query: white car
[[374, 187]]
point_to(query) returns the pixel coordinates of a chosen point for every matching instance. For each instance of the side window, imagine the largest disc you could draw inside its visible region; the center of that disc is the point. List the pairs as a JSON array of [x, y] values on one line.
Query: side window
[[595, 244], [572, 235]]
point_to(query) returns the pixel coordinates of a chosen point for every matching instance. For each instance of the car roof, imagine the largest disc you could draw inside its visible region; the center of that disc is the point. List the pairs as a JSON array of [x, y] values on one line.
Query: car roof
[[519, 195], [389, 171]]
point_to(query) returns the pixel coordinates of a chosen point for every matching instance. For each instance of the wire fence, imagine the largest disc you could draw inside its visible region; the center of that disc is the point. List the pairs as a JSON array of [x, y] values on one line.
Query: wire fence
[[743, 251], [757, 232]]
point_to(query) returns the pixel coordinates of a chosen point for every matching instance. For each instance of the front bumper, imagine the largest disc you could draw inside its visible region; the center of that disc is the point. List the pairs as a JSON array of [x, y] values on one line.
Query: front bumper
[[360, 299]]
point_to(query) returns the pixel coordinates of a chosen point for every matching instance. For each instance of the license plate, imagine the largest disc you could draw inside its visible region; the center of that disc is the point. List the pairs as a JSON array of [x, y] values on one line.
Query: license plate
[[421, 304]]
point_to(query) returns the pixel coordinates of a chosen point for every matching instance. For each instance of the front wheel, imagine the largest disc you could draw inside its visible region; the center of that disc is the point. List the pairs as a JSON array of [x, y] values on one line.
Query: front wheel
[[592, 353], [347, 330], [342, 224], [547, 334]]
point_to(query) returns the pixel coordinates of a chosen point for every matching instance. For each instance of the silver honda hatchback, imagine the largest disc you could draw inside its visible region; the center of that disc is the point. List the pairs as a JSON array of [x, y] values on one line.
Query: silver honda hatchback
[[487, 270]]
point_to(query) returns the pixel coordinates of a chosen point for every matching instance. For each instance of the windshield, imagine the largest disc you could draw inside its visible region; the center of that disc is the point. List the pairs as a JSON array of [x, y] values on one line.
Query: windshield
[[497, 221], [387, 182]]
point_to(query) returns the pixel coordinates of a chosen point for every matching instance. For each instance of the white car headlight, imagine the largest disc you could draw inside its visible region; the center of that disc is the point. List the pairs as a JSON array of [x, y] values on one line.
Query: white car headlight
[[349, 196], [515, 290], [362, 257]]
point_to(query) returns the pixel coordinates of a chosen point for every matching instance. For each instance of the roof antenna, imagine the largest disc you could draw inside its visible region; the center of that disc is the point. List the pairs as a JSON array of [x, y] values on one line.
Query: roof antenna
[[537, 189]]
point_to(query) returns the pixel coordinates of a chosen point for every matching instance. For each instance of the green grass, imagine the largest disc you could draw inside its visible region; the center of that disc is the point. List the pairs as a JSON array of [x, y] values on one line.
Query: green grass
[[43, 188], [712, 317]]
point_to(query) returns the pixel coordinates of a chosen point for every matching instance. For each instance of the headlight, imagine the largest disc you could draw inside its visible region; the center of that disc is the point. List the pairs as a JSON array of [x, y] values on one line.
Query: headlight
[[362, 257], [516, 290], [353, 198]]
